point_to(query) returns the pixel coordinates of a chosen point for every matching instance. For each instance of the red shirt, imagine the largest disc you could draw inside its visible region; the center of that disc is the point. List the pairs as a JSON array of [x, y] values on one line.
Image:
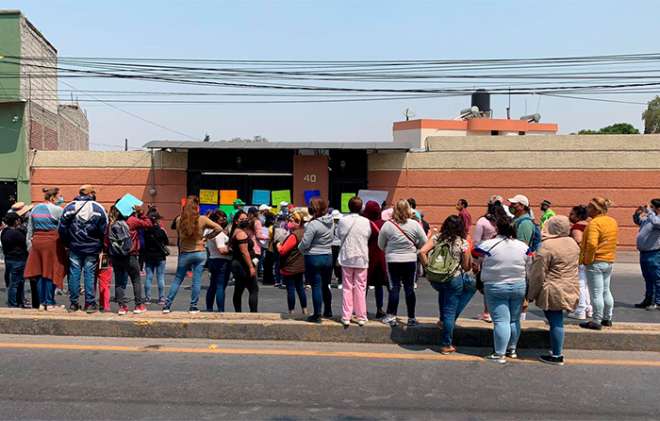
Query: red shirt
[[467, 219], [134, 224]]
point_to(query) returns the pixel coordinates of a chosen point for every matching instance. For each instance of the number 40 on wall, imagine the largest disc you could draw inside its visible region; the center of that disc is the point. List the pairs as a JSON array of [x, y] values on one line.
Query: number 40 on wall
[[310, 178]]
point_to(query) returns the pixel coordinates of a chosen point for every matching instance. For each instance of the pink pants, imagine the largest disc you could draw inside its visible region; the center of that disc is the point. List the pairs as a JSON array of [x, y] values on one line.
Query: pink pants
[[354, 287]]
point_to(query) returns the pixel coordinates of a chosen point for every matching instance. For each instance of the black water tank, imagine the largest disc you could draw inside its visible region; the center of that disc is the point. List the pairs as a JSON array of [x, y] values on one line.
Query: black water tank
[[481, 99]]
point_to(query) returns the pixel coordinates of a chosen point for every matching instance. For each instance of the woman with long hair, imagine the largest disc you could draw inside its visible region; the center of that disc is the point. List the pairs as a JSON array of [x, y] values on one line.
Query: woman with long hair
[[579, 219], [190, 227], [47, 259], [244, 262], [400, 238], [219, 263], [597, 254], [292, 263], [455, 286], [316, 246]]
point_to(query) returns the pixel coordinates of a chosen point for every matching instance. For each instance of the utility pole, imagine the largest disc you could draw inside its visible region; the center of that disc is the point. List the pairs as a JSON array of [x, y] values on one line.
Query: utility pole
[[125, 144]]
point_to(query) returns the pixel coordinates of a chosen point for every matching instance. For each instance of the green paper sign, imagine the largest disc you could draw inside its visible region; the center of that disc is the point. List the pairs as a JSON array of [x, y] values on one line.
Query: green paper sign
[[280, 196], [345, 197]]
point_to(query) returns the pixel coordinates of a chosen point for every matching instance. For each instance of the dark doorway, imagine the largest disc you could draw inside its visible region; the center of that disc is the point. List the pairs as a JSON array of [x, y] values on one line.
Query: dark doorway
[[348, 173], [7, 192]]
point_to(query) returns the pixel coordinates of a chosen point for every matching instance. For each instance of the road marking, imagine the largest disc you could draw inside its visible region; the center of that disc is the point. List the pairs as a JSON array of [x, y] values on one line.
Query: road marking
[[213, 349]]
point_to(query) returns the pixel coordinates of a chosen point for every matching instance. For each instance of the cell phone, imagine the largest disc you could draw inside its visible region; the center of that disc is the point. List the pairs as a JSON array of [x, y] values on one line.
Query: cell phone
[[104, 261]]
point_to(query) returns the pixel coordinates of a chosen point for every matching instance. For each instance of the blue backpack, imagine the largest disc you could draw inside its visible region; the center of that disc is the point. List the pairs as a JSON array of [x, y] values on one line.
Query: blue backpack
[[535, 241]]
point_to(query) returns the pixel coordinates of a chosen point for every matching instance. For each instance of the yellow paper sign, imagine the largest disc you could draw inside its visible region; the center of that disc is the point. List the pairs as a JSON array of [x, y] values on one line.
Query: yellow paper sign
[[208, 197]]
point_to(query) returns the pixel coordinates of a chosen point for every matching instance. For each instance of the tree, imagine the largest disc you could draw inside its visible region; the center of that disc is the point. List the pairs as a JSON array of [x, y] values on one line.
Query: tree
[[618, 128], [651, 116]]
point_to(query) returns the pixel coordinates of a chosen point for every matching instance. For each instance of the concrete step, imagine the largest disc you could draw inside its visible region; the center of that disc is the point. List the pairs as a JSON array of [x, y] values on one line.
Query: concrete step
[[272, 326]]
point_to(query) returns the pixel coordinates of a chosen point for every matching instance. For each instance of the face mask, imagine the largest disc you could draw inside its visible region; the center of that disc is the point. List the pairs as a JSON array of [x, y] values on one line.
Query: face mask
[[59, 201], [291, 226], [512, 210], [243, 224]]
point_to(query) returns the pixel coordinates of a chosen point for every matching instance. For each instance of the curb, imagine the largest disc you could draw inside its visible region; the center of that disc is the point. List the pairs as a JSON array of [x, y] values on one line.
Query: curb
[[271, 326]]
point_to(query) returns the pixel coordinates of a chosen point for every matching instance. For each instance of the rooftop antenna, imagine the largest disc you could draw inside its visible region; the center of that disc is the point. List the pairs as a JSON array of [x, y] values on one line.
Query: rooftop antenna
[[408, 114]]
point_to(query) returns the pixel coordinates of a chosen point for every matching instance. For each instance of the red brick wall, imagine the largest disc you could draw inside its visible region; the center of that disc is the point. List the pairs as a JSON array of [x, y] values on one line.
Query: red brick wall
[[113, 183], [437, 191]]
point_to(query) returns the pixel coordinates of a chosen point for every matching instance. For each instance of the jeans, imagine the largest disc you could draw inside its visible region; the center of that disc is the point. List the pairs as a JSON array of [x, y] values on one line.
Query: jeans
[[650, 264], [318, 272], [16, 290], [406, 273], [453, 296], [295, 284], [158, 269], [82, 265], [505, 301], [219, 271], [599, 275], [193, 261], [125, 267], [556, 320], [276, 270], [244, 281], [46, 289]]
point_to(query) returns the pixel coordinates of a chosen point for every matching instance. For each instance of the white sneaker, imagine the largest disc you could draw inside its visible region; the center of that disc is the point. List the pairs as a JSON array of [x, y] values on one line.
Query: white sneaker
[[340, 287], [499, 359], [523, 317], [361, 322], [42, 307], [345, 323], [576, 316], [390, 319]]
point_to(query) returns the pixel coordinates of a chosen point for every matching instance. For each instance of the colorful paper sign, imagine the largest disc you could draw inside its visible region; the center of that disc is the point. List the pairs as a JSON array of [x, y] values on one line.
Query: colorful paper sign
[[204, 209], [228, 209], [378, 196], [208, 197], [127, 204], [260, 197], [227, 197], [310, 194], [280, 196], [345, 197]]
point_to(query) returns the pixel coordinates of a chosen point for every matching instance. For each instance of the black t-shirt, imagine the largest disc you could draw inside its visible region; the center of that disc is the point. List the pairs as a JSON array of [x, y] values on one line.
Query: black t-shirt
[[237, 255], [14, 245]]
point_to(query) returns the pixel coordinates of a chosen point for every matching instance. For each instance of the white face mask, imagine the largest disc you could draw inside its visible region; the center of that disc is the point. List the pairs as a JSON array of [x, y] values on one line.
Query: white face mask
[[59, 201]]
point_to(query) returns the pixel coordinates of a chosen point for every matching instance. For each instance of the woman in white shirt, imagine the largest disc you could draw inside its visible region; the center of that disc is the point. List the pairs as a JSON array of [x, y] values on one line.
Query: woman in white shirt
[[219, 264], [503, 272]]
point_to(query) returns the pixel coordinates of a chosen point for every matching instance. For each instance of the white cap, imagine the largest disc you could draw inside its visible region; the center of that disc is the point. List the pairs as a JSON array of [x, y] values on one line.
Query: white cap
[[519, 198], [336, 214], [264, 208], [284, 204]]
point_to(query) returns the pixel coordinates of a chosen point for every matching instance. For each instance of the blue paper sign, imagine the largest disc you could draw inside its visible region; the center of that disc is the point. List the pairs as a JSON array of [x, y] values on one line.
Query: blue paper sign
[[310, 194], [204, 209], [127, 203], [260, 197]]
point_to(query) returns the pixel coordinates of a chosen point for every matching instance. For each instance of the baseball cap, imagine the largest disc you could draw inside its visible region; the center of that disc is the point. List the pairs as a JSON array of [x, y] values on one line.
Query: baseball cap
[[336, 214], [264, 208], [284, 204], [86, 189], [519, 198], [546, 202], [239, 202]]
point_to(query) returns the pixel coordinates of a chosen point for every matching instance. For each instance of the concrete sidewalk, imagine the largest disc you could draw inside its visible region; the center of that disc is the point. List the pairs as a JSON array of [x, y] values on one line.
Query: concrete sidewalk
[[272, 326]]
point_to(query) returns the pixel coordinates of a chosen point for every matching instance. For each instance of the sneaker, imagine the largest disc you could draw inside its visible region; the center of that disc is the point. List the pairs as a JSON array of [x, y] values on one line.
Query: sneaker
[[446, 350], [193, 310], [511, 354], [345, 323], [340, 286], [591, 325], [577, 316], [91, 309], [551, 359], [166, 309], [140, 309], [122, 310], [314, 318], [380, 314], [53, 307], [485, 317], [147, 301], [606, 323], [361, 322], [412, 322], [496, 358], [652, 307], [42, 307], [73, 308], [415, 285], [162, 302], [523, 317], [327, 315], [645, 303], [371, 287], [389, 319]]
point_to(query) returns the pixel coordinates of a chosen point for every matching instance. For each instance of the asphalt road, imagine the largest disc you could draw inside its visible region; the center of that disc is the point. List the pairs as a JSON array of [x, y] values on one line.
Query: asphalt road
[[627, 287], [118, 378]]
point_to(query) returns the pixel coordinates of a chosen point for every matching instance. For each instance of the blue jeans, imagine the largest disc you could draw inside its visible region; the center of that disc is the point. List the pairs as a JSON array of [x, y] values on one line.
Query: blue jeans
[[46, 289], [295, 284], [82, 265], [505, 301], [318, 272], [194, 262], [15, 291], [219, 270], [402, 273], [453, 296], [650, 263], [556, 320], [158, 269], [599, 275]]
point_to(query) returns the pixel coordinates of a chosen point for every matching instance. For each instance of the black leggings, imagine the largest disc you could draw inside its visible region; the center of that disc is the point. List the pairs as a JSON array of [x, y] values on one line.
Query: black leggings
[[244, 281]]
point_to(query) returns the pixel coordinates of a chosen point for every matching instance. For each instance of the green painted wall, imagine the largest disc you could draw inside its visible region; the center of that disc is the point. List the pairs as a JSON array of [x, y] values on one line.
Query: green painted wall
[[13, 148], [10, 45]]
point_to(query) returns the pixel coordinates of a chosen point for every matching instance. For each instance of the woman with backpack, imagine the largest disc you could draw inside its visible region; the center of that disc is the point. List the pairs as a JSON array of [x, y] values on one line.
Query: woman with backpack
[[244, 262], [448, 260], [400, 238], [119, 249], [155, 254], [191, 228], [504, 272], [553, 281], [292, 263]]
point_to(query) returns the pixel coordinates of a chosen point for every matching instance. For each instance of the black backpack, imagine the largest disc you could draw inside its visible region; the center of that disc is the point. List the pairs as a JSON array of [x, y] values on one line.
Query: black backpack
[[120, 239]]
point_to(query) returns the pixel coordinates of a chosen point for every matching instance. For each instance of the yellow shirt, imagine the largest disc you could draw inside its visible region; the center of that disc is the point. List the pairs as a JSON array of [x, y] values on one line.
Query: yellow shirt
[[599, 241], [196, 242]]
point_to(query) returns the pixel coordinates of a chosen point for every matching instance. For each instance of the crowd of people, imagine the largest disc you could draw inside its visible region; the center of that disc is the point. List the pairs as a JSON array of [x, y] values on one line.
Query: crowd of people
[[562, 264]]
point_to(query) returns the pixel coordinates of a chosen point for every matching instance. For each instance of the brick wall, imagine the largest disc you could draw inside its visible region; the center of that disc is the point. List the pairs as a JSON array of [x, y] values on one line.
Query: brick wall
[[43, 128], [73, 128], [38, 82]]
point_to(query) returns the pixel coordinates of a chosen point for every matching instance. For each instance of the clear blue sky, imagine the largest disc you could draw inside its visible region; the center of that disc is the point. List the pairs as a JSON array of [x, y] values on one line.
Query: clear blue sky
[[335, 30]]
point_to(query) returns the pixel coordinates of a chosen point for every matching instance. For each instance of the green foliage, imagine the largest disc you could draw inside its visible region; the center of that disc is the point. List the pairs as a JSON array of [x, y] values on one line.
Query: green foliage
[[618, 128], [651, 116]]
